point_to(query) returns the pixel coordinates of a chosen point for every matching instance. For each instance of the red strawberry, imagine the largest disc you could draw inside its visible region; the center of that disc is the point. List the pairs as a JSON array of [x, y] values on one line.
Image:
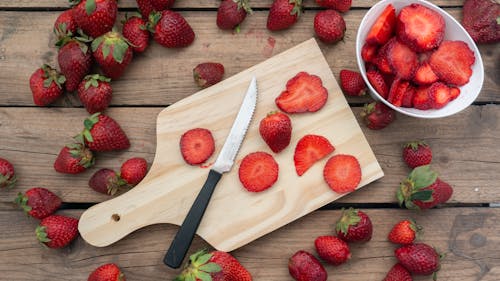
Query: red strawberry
[[439, 95], [404, 232], [57, 231], [339, 5], [342, 173], [378, 83], [452, 62], [403, 61], [258, 171], [276, 130], [106, 181], [38, 202], [113, 53], [381, 60], [421, 98], [454, 93], [216, 266], [65, 23], [283, 14], [145, 8], [480, 19], [420, 28], [329, 26], [136, 32], [352, 83], [398, 91], [304, 93], [46, 85], [398, 273], [208, 73], [134, 170], [161, 5], [197, 145], [75, 60], [95, 17], [73, 159], [7, 176], [232, 13], [408, 96], [423, 189], [417, 153], [107, 272], [303, 266], [377, 115], [424, 75], [170, 29], [354, 226], [309, 150], [332, 249], [418, 258], [103, 133], [369, 52], [383, 28], [95, 93]]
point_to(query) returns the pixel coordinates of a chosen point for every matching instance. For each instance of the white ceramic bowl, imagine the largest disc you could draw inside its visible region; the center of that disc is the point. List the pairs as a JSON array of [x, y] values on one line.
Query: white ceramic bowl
[[454, 31]]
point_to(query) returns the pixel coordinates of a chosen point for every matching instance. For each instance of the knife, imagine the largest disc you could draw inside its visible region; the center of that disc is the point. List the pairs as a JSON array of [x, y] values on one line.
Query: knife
[[225, 160]]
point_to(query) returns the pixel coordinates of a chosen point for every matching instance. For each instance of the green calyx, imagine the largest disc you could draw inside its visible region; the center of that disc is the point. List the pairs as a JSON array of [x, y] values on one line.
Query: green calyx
[[349, 217], [411, 189], [90, 6], [244, 4], [7, 181], [367, 109], [297, 8], [41, 234], [416, 228], [88, 124], [79, 151], [154, 18], [67, 36], [415, 144], [22, 202], [111, 40], [51, 75], [199, 267], [115, 184], [94, 79]]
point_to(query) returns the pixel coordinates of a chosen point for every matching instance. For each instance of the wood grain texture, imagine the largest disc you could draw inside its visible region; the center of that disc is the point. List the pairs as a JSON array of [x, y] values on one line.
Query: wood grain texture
[[465, 150], [468, 236], [163, 76]]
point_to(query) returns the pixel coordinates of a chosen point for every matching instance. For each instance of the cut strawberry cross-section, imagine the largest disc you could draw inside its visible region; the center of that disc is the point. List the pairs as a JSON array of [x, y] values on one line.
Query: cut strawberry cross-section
[[452, 62], [304, 93], [309, 150], [383, 28]]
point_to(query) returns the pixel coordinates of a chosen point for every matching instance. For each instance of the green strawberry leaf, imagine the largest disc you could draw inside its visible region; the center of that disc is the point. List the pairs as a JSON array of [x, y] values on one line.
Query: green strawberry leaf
[[95, 44], [202, 259], [22, 201], [424, 195], [190, 277], [41, 234], [47, 82], [400, 197], [210, 267], [90, 6], [119, 50], [498, 20], [105, 50], [422, 176], [203, 276]]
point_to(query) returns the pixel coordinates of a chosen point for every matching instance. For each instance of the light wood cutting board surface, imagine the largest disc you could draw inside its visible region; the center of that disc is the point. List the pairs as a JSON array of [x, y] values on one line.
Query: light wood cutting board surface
[[234, 216]]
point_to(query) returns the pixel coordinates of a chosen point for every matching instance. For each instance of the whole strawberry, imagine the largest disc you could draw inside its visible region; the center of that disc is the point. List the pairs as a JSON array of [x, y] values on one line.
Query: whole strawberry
[[57, 231], [95, 93], [95, 17], [419, 258], [65, 23], [276, 130], [73, 159], [38, 202], [231, 13], [404, 232], [339, 5], [216, 266], [481, 19], [107, 272], [208, 73], [332, 249], [161, 5], [75, 60], [283, 14], [303, 266], [398, 273], [136, 32], [46, 85], [7, 175], [377, 115], [329, 26], [422, 189], [103, 133], [170, 29], [354, 226], [352, 83], [145, 8], [113, 54], [106, 181], [134, 170], [417, 153]]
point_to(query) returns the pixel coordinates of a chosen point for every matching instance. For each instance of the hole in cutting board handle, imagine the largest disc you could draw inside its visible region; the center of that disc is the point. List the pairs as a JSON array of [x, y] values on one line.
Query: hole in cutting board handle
[[115, 217]]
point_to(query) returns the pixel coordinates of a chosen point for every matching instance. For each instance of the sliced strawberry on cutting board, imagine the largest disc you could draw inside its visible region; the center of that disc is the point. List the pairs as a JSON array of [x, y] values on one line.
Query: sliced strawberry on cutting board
[[258, 171], [452, 62], [309, 150], [303, 93], [342, 173], [377, 81], [425, 75], [197, 145], [398, 91], [383, 28], [403, 61]]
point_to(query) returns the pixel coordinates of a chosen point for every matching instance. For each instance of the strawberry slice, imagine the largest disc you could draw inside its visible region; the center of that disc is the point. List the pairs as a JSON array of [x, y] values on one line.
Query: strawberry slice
[[381, 60], [454, 93], [369, 52], [408, 96], [378, 83], [421, 99], [398, 91], [304, 93], [419, 27], [403, 61], [452, 62], [425, 75], [439, 95], [309, 150], [383, 28], [258, 171], [342, 173], [197, 145]]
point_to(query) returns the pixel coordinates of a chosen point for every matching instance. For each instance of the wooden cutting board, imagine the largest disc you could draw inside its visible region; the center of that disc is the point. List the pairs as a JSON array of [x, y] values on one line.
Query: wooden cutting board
[[235, 217]]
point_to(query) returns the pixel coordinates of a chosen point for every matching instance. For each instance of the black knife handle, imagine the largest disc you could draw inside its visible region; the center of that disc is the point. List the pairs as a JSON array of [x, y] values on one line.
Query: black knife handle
[[180, 245]]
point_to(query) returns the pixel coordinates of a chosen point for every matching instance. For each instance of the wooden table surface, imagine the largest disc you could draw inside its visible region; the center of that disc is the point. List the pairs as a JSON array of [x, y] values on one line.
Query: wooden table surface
[[466, 152]]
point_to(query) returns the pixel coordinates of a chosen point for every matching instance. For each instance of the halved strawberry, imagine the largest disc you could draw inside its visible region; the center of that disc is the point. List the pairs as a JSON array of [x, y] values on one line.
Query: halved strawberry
[[378, 83], [403, 61], [398, 91], [309, 150], [424, 75], [197, 145], [384, 27], [258, 171], [381, 59], [421, 99], [452, 62], [454, 93], [368, 52], [342, 173], [419, 27], [304, 93], [439, 95], [408, 96]]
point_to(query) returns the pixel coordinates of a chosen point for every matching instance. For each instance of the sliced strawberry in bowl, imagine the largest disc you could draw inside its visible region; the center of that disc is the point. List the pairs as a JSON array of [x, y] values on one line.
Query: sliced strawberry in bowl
[[452, 62], [425, 75], [398, 91], [384, 27], [403, 61], [377, 81]]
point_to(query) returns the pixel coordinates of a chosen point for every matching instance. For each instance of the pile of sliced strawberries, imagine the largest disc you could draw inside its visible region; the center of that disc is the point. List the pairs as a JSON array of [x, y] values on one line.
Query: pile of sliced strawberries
[[409, 63]]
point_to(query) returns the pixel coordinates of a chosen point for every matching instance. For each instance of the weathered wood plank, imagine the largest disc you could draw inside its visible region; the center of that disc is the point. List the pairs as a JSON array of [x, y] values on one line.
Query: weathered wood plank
[[469, 237], [162, 76], [465, 150]]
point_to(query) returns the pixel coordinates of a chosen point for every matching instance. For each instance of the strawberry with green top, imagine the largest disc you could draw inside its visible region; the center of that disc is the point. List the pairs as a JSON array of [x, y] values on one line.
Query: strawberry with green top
[[419, 259], [354, 226], [134, 170], [74, 58], [136, 32], [38, 202], [107, 272], [332, 249], [57, 231], [170, 29], [283, 14], [7, 176], [329, 26], [398, 273], [106, 181], [113, 54], [377, 115], [46, 85], [65, 23], [404, 232], [231, 13], [95, 93], [207, 74], [102, 133], [95, 17], [417, 153], [74, 158], [145, 8]]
